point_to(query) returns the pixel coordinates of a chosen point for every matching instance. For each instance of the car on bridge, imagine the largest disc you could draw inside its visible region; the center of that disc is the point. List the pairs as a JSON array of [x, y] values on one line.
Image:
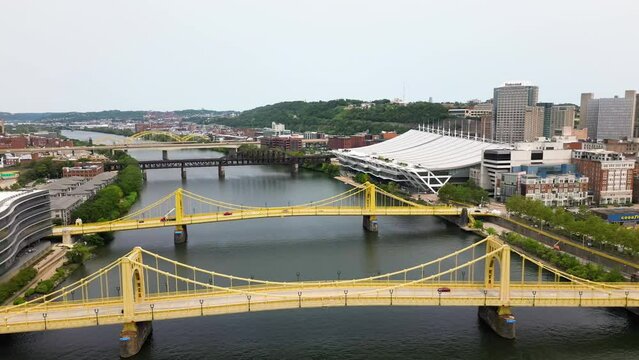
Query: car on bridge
[[227, 213], [443, 289]]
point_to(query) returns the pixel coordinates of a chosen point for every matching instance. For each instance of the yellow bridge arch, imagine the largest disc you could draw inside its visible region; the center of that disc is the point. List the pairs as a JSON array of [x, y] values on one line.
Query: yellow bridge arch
[[173, 136]]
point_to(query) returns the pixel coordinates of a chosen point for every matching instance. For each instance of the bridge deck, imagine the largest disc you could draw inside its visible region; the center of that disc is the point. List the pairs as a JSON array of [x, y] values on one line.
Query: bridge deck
[[256, 214], [262, 298]]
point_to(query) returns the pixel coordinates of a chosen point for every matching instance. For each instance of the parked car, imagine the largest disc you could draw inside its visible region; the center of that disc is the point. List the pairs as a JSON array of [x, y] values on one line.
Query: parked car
[[443, 289]]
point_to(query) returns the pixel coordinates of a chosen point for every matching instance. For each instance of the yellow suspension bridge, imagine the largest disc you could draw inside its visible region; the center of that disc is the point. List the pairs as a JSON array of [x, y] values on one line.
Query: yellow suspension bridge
[[142, 286], [187, 208]]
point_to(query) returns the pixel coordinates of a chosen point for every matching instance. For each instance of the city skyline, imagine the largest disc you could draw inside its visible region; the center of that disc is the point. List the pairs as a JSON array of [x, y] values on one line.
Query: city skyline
[[72, 56]]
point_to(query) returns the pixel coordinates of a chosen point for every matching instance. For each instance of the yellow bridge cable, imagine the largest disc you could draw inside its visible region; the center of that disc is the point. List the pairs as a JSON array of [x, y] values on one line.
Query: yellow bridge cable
[[48, 299], [585, 282], [304, 284], [267, 282]]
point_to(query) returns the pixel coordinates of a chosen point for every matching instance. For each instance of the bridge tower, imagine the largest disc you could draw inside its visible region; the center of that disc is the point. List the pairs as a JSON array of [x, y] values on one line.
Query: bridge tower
[[134, 333], [499, 318], [370, 204], [181, 234]]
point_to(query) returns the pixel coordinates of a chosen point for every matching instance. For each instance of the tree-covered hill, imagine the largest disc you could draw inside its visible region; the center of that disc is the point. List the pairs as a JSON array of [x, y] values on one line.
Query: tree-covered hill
[[339, 116]]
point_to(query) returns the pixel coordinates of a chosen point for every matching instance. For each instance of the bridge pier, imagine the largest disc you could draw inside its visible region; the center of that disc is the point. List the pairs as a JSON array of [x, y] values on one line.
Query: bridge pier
[[133, 336], [295, 168], [67, 239], [500, 319], [221, 172], [144, 175], [183, 173], [370, 223], [180, 235], [165, 155]]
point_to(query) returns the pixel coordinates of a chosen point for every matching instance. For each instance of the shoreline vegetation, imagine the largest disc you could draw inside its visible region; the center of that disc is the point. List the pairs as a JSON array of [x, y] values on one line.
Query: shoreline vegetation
[[108, 204]]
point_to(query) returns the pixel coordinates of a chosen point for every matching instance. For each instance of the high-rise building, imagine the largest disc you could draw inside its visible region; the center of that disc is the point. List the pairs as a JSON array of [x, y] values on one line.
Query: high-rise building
[[561, 116], [583, 109], [610, 118], [509, 110], [533, 123], [547, 121]]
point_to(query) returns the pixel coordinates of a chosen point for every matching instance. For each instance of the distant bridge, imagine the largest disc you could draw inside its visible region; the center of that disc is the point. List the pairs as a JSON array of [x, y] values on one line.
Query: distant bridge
[[239, 159]]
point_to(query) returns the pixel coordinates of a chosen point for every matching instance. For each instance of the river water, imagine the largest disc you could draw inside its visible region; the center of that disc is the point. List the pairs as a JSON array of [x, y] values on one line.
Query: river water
[[317, 248]]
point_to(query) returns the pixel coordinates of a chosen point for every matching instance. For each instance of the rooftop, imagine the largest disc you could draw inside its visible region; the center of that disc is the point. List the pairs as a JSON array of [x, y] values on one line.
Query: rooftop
[[427, 150]]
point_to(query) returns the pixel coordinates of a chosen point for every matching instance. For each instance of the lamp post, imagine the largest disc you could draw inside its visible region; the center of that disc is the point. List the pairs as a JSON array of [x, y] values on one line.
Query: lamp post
[[485, 295], [299, 299], [534, 292], [96, 311], [152, 314], [345, 297], [391, 296], [339, 274], [201, 307]]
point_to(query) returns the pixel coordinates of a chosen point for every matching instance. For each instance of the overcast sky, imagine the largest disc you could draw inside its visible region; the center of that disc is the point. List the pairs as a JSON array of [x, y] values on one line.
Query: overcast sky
[[79, 55]]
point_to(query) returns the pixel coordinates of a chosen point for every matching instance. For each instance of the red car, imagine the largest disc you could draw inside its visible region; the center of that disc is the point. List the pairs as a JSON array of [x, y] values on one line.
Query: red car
[[443, 289], [228, 213]]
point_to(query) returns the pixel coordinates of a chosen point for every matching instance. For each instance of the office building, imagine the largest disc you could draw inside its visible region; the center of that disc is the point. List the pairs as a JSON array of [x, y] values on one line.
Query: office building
[[24, 219], [533, 123], [497, 161], [610, 175], [547, 133], [561, 116], [609, 118], [509, 110]]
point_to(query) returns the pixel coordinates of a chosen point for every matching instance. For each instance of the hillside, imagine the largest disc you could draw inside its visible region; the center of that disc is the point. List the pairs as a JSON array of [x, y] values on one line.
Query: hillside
[[339, 116]]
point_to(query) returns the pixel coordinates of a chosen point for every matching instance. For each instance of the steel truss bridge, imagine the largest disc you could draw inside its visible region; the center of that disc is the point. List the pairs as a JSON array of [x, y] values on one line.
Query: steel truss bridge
[[187, 208], [142, 286], [239, 159]]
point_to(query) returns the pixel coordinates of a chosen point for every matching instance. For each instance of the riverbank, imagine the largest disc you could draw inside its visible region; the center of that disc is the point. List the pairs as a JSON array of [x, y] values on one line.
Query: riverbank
[[109, 203]]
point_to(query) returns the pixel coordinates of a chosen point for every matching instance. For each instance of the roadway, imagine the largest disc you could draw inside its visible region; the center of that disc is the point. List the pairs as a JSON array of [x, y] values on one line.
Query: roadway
[[309, 295]]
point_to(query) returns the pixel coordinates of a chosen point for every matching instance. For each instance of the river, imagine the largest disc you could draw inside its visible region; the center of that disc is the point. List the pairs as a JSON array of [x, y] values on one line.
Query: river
[[317, 248]]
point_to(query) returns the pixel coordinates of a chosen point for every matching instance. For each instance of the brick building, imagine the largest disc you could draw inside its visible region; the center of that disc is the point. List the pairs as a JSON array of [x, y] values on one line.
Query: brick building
[[610, 175], [283, 142], [83, 170]]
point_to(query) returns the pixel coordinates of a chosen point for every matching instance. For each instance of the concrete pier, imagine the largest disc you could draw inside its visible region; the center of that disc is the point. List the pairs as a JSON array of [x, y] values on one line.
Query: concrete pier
[[165, 155], [221, 173], [143, 175], [133, 336], [183, 173], [180, 235], [370, 223], [295, 168], [500, 319], [67, 239]]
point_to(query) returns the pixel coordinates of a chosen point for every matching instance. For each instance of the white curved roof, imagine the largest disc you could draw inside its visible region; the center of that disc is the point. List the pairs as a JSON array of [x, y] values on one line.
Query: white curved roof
[[428, 150]]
